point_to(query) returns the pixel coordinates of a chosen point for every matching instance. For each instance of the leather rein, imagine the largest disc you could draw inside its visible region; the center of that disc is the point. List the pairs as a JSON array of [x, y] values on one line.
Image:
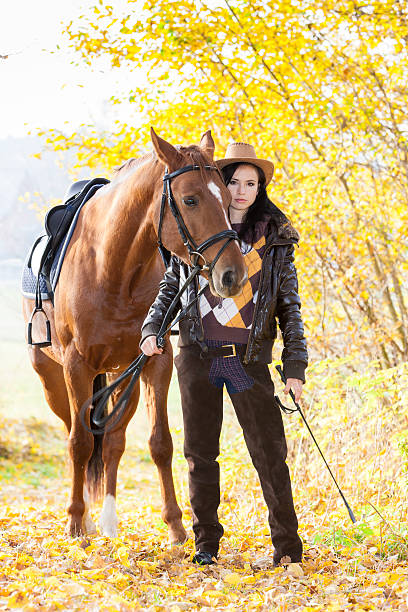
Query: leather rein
[[100, 399]]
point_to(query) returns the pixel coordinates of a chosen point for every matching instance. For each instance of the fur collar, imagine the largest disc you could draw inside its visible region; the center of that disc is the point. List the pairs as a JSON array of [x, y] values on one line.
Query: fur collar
[[287, 231], [281, 226]]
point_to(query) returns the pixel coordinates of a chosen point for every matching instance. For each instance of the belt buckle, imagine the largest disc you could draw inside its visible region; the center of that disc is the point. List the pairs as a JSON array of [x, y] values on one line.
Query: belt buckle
[[234, 350]]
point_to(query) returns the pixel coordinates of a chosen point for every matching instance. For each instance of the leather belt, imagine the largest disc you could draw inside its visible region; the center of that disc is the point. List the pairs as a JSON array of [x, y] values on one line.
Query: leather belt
[[227, 350]]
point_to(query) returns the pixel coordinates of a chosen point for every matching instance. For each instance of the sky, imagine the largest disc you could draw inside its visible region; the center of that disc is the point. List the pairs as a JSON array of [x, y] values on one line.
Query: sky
[[40, 89]]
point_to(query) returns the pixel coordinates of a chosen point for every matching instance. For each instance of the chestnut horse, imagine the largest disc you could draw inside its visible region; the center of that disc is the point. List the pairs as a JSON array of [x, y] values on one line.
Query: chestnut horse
[[109, 279]]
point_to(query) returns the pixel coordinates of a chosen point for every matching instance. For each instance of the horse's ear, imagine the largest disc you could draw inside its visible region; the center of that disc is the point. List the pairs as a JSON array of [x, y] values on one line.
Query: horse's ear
[[207, 144], [166, 152]]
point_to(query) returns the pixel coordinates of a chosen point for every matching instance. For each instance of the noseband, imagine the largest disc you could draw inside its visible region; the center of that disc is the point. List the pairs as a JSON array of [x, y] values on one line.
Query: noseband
[[195, 250]]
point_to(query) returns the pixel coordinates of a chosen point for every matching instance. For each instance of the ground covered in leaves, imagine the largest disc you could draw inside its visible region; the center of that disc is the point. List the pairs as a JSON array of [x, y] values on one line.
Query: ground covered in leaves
[[362, 424]]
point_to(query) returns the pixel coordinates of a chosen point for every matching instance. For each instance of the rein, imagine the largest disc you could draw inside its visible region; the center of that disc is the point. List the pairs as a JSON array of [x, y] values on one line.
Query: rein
[[101, 398]]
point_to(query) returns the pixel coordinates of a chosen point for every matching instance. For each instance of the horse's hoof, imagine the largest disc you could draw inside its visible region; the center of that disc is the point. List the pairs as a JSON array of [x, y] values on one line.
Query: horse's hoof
[[110, 531], [89, 526], [178, 535], [74, 527]]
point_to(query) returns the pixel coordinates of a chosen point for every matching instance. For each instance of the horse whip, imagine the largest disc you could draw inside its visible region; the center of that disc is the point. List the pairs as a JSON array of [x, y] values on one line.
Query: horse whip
[[298, 409]]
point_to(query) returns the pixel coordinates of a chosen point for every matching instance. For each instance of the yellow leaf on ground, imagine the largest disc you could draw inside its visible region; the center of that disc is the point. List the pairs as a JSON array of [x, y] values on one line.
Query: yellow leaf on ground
[[93, 573], [52, 582], [295, 570], [76, 553], [15, 600], [388, 579], [150, 566], [233, 579], [71, 589], [119, 580], [97, 562], [212, 593], [123, 556]]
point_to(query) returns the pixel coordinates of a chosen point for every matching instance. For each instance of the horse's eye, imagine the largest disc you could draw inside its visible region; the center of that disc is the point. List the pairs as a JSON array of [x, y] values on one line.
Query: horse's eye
[[190, 200]]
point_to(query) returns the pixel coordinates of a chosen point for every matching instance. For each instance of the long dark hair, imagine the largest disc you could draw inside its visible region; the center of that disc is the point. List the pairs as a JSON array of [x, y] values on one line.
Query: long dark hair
[[263, 209]]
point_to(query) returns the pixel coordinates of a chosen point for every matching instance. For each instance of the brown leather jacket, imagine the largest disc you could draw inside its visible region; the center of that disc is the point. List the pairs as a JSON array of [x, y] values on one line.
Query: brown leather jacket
[[278, 298]]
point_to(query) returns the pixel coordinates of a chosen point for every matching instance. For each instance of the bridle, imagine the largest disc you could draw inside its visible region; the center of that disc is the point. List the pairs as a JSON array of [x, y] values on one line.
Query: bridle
[[195, 250]]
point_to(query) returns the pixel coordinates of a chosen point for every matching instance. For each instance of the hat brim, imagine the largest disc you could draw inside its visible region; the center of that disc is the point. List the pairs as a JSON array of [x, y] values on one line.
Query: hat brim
[[266, 165]]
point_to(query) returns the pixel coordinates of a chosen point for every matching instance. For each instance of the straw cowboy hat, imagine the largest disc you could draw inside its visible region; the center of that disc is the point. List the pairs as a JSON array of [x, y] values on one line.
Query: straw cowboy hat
[[245, 153]]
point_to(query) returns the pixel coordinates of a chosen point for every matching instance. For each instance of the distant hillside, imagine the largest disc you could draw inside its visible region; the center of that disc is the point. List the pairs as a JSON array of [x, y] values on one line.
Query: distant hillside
[[21, 173]]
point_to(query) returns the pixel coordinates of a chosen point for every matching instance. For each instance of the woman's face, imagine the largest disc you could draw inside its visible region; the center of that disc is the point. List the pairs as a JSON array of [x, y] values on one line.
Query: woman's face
[[243, 187]]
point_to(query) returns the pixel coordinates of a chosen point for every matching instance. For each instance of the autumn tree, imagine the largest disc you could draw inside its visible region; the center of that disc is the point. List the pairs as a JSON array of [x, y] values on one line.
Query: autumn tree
[[320, 87]]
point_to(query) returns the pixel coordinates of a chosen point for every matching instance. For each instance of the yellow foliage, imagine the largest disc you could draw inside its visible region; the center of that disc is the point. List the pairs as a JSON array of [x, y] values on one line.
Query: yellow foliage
[[319, 88]]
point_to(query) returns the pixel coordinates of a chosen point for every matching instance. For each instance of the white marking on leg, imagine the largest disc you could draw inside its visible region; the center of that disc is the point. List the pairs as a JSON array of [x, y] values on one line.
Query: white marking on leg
[[89, 525], [216, 191], [108, 522]]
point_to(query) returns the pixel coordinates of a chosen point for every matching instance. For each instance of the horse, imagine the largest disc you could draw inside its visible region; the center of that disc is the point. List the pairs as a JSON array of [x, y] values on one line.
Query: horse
[[108, 280]]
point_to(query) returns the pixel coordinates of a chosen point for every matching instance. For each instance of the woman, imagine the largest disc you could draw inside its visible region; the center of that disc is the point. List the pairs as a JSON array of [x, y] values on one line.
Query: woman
[[229, 341]]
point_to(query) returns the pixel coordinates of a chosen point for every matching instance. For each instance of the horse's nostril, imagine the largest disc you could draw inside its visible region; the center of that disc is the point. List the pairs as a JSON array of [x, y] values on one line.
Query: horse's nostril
[[228, 278]]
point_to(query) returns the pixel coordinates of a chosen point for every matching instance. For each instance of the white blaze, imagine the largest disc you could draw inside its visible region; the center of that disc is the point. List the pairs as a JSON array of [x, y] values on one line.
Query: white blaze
[[108, 521], [216, 191]]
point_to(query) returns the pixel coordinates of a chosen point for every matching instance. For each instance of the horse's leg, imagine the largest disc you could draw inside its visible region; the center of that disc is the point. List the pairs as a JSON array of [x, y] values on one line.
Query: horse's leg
[[114, 443], [52, 378], [156, 377], [79, 380], [51, 374]]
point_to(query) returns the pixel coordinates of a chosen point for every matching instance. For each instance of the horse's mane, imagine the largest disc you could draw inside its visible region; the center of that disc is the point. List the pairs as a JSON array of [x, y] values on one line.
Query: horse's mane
[[194, 152], [196, 155], [133, 162]]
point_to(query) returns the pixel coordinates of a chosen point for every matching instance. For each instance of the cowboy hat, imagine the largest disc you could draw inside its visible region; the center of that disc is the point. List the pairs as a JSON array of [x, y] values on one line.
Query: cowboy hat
[[245, 153]]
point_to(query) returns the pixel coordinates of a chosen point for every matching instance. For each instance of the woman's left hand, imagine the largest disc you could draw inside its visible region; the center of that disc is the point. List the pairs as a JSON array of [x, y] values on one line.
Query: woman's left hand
[[296, 385]]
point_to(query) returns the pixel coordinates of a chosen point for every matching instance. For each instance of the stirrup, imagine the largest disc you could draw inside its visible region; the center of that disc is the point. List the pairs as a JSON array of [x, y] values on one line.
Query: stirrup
[[47, 342]]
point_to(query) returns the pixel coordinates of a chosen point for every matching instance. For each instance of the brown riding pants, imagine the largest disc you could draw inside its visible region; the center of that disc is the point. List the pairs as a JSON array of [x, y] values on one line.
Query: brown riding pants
[[261, 422]]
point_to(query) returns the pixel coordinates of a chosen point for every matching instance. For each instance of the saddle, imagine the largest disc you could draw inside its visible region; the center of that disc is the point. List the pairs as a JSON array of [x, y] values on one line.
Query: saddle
[[58, 222]]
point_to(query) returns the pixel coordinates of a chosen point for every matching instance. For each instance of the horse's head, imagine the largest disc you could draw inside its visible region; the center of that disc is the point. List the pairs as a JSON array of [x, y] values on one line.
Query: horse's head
[[202, 200]]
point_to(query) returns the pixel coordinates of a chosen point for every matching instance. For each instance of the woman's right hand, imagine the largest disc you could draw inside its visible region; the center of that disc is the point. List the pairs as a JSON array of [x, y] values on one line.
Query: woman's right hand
[[149, 347]]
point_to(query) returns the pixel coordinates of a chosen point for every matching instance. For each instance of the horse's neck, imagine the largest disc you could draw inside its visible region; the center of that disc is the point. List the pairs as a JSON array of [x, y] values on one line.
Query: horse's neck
[[129, 242]]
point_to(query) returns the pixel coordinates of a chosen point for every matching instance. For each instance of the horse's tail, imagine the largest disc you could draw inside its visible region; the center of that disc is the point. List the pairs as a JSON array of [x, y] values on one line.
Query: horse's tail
[[94, 473]]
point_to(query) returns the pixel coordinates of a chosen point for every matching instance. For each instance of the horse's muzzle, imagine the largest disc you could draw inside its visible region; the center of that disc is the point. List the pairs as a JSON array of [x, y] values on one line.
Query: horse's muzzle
[[230, 283]]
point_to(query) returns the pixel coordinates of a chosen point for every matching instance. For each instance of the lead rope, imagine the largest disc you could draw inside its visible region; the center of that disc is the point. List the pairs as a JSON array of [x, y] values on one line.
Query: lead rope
[[133, 370]]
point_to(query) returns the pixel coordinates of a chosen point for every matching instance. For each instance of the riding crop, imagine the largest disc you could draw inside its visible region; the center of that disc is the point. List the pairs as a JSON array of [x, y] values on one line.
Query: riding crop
[[298, 409]]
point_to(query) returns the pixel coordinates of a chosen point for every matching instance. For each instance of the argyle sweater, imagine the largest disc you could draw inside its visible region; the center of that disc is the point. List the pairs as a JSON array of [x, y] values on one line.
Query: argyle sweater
[[230, 319]]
